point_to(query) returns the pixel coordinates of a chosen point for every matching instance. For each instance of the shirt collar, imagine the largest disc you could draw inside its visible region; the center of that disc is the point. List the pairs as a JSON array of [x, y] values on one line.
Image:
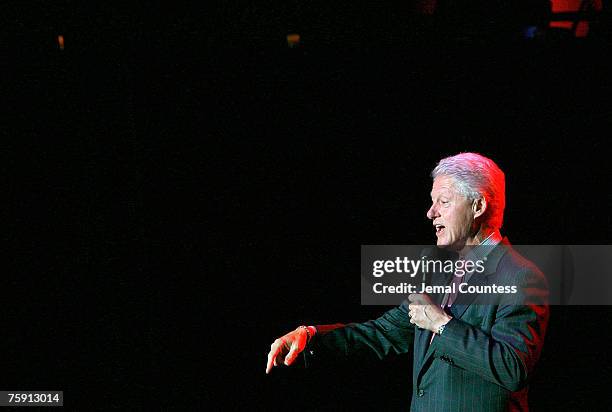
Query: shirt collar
[[492, 240], [485, 247]]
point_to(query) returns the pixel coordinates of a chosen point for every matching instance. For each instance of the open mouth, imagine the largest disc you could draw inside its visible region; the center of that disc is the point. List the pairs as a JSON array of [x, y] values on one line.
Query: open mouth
[[439, 229]]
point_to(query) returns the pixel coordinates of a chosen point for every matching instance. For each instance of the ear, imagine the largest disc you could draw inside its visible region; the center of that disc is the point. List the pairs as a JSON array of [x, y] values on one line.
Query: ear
[[479, 206]]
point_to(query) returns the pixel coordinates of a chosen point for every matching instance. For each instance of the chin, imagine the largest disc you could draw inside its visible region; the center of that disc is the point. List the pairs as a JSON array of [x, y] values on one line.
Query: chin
[[444, 243]]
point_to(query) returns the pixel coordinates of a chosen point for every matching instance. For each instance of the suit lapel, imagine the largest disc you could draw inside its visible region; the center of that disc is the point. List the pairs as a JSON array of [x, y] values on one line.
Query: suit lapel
[[421, 347], [464, 300], [439, 279]]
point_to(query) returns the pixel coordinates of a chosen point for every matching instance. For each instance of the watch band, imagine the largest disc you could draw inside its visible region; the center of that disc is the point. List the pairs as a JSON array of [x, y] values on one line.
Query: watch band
[[308, 333]]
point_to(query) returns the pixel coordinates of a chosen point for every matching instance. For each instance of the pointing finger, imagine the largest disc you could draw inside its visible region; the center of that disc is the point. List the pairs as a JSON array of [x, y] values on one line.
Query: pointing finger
[[274, 350]]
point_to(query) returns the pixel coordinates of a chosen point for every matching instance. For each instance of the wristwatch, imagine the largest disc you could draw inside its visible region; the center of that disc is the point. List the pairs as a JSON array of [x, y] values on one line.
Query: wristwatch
[[441, 329], [308, 333]]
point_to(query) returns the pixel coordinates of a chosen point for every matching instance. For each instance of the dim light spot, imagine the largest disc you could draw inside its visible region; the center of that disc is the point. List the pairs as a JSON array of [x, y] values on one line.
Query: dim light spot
[[60, 41], [293, 39]]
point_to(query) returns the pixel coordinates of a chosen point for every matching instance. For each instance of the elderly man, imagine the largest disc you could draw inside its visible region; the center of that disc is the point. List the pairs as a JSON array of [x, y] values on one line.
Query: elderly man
[[470, 354]]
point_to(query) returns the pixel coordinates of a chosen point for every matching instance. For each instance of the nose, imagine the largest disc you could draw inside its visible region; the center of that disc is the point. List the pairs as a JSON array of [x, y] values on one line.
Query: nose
[[432, 213]]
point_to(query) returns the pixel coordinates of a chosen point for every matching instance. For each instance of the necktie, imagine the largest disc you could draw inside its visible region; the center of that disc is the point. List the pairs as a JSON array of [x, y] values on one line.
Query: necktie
[[452, 296]]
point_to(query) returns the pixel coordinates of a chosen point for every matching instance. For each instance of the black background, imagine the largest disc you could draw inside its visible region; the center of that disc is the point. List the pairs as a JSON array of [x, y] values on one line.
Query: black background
[[182, 188]]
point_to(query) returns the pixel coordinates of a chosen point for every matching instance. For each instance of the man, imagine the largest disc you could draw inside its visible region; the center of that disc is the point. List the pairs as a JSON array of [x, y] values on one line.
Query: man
[[469, 353]]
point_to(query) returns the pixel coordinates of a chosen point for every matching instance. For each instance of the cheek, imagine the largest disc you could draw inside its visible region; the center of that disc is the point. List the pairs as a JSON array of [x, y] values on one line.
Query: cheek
[[464, 225], [458, 223], [451, 220]]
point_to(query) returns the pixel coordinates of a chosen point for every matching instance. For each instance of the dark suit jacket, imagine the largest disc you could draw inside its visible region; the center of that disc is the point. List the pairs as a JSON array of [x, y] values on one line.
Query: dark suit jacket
[[482, 361]]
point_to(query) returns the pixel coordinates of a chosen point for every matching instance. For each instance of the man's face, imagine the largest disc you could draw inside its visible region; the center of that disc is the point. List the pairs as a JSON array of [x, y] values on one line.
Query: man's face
[[451, 214]]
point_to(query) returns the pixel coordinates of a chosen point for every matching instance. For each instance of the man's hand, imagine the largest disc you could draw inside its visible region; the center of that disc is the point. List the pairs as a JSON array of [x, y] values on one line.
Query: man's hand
[[425, 313], [285, 349]]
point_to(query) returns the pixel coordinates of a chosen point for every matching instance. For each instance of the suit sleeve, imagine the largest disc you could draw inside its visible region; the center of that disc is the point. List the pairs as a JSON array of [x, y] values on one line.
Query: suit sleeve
[[390, 333], [507, 353]]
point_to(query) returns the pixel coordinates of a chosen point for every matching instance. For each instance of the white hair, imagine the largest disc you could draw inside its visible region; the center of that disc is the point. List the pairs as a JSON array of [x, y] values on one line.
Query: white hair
[[477, 176]]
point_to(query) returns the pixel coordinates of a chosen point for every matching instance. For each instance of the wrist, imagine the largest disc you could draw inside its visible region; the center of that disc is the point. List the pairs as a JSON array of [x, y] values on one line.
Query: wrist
[[310, 332], [440, 325]]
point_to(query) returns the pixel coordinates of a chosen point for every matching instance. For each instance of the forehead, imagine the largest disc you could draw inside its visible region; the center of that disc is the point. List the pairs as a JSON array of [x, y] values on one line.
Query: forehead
[[443, 185]]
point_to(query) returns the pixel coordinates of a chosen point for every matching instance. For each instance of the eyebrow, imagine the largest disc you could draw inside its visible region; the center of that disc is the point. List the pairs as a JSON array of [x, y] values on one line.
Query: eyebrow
[[443, 192]]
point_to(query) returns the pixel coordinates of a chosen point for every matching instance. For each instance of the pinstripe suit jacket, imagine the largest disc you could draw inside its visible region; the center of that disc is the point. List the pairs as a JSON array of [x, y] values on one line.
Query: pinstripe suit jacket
[[482, 361]]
